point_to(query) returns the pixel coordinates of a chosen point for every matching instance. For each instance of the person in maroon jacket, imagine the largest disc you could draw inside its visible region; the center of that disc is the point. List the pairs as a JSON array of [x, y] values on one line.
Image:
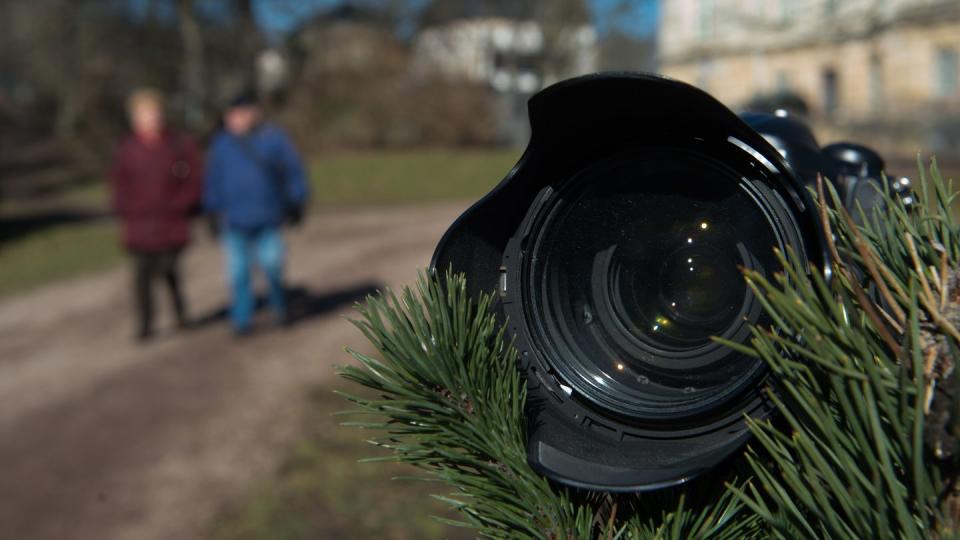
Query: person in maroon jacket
[[156, 187]]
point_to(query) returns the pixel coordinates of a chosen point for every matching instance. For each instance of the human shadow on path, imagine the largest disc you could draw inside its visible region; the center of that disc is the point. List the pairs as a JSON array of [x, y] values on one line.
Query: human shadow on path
[[14, 227], [302, 303]]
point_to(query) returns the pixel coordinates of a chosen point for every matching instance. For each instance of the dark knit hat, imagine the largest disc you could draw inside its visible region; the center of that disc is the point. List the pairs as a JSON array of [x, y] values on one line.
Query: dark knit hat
[[243, 98]]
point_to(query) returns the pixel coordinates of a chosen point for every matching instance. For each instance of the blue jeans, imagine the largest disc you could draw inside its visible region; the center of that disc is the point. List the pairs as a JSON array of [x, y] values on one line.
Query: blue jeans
[[265, 245]]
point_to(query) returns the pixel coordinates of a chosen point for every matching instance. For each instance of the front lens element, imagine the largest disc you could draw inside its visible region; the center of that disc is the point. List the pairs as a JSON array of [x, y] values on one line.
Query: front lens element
[[700, 288], [636, 266]]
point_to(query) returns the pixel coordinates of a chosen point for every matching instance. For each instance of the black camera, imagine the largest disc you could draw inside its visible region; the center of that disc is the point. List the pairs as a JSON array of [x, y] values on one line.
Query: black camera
[[615, 248]]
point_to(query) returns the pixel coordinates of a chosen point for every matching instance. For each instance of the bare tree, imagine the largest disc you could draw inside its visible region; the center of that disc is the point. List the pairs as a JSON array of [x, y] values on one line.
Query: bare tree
[[193, 73]]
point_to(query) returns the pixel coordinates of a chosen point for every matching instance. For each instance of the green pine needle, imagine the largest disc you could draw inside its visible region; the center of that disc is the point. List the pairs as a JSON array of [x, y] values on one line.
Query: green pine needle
[[451, 402], [845, 458]]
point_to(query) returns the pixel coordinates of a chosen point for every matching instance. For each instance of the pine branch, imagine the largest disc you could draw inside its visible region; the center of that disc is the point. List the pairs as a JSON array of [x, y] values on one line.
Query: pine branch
[[855, 376], [451, 402], [862, 373]]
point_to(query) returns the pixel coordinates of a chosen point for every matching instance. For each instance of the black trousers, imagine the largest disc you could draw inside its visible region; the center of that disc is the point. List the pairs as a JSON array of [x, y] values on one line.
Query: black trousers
[[148, 267]]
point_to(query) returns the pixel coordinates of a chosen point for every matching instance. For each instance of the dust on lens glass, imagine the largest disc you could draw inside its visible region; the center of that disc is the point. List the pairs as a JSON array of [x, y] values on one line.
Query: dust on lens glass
[[640, 267]]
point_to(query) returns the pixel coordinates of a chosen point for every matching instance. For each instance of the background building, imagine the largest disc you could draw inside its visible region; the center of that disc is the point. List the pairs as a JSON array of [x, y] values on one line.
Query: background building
[[508, 54], [853, 63], [513, 56]]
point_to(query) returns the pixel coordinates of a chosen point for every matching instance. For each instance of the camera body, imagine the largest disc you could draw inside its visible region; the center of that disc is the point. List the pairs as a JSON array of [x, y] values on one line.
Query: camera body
[[614, 248]]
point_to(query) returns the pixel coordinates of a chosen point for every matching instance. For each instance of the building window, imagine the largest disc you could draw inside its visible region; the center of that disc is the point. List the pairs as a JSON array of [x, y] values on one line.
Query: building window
[[759, 8], [830, 7], [785, 10], [783, 84], [705, 74], [946, 66], [877, 91], [705, 19], [831, 94]]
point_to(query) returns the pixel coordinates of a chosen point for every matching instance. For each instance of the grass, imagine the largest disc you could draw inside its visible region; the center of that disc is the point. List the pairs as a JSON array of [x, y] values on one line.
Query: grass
[[407, 177], [359, 179], [57, 253], [320, 491], [354, 179]]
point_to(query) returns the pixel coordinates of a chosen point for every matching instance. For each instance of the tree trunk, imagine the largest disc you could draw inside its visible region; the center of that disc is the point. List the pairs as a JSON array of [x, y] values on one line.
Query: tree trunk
[[193, 69]]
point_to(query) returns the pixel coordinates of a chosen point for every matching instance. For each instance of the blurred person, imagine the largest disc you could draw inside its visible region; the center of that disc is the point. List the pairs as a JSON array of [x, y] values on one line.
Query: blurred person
[[255, 182], [155, 181]]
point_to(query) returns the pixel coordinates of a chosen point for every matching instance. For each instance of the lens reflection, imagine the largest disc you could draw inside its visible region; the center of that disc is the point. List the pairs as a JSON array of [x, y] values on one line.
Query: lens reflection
[[638, 267], [700, 287]]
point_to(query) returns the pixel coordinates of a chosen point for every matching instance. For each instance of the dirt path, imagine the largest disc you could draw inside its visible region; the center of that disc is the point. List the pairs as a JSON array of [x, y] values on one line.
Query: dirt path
[[103, 439]]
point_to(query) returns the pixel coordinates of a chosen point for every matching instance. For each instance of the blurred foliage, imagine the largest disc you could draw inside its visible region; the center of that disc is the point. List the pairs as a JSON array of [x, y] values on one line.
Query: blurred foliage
[[66, 66], [345, 77], [352, 84]]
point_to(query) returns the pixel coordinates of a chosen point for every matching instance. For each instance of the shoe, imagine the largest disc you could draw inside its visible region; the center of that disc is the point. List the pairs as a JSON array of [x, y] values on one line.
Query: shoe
[[283, 321], [242, 333], [144, 335], [184, 323]]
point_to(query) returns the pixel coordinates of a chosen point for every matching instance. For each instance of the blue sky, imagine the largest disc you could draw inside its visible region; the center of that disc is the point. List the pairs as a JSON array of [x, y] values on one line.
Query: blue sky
[[638, 17], [634, 17]]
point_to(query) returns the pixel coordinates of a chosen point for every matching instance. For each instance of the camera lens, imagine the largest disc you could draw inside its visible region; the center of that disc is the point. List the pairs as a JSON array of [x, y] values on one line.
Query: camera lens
[[695, 293], [635, 267], [695, 286], [616, 247]]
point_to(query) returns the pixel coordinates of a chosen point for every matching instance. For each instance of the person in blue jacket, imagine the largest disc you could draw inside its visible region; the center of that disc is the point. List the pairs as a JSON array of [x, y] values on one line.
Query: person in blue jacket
[[254, 183]]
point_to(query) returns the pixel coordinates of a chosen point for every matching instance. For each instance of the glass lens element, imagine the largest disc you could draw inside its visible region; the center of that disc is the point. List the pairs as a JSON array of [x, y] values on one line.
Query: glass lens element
[[636, 267]]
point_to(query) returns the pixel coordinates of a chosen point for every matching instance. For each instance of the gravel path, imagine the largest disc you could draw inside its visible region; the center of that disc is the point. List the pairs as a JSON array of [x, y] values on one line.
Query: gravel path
[[103, 439]]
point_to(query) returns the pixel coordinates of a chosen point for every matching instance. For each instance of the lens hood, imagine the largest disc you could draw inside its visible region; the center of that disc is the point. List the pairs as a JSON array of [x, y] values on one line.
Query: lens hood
[[676, 154]]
